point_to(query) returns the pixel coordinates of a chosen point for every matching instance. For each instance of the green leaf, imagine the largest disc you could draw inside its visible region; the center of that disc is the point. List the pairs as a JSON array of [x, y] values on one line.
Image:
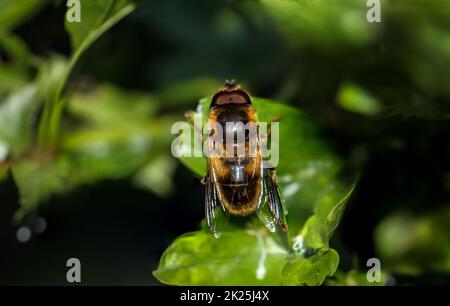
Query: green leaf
[[97, 17], [319, 228], [49, 81], [37, 178], [241, 258], [199, 259], [356, 99], [17, 112], [15, 120], [311, 271]]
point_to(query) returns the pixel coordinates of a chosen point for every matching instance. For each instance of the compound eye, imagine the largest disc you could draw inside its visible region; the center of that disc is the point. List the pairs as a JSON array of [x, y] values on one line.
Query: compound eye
[[238, 98], [235, 97], [222, 99]]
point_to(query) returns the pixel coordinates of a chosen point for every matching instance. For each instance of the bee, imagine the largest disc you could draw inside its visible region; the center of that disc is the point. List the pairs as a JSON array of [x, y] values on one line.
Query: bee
[[236, 184]]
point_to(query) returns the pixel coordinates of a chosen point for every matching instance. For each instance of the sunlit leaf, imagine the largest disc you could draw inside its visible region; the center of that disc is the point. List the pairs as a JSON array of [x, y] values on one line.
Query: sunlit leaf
[[16, 119], [355, 99], [37, 178], [241, 258], [311, 271], [200, 259], [319, 228]]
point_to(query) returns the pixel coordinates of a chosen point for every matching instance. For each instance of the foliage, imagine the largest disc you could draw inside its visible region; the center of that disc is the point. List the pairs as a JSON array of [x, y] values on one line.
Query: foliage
[[101, 147], [364, 111]]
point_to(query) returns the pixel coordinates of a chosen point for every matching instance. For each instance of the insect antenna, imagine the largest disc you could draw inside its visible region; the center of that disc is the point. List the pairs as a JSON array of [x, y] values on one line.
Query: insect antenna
[[230, 83]]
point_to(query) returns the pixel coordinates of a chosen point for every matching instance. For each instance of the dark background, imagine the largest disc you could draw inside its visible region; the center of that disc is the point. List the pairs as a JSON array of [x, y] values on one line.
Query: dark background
[[119, 232]]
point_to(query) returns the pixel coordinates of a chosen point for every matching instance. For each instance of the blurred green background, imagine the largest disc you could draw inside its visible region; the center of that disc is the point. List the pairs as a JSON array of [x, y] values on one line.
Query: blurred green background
[[86, 109]]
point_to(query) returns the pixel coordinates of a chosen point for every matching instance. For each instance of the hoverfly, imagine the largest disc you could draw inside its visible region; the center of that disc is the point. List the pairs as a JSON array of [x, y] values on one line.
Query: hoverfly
[[239, 185]]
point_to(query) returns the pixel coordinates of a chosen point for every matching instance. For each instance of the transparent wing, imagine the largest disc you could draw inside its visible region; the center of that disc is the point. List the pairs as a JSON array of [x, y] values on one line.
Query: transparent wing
[[271, 212], [213, 206]]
